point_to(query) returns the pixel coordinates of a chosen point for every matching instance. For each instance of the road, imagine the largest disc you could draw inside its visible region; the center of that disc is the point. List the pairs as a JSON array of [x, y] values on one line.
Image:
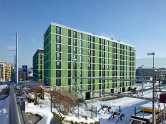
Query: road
[[13, 114]]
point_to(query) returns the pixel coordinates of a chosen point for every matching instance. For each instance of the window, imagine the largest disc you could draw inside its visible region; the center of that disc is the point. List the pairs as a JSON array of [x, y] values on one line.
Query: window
[[58, 47], [89, 38], [40, 56], [58, 82], [113, 44], [74, 34], [74, 42], [58, 39], [57, 56], [41, 62], [69, 65], [80, 35], [58, 30], [69, 41], [69, 33], [58, 65], [69, 57]]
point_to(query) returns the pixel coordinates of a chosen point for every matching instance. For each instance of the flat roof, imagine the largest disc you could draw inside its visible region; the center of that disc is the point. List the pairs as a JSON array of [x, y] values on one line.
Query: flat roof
[[40, 49], [52, 23]]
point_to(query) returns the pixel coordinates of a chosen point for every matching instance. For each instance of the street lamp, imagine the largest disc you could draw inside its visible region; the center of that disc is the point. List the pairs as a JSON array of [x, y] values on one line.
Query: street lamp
[[142, 80], [153, 101], [74, 79]]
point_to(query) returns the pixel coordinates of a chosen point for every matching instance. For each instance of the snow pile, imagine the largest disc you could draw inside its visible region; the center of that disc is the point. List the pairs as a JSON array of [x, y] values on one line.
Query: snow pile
[[147, 85], [30, 96], [44, 108], [4, 110], [44, 112], [79, 120], [2, 87]]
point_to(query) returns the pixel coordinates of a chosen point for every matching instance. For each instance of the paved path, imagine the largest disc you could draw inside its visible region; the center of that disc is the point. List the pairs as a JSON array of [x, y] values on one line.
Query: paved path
[[54, 120], [13, 114]]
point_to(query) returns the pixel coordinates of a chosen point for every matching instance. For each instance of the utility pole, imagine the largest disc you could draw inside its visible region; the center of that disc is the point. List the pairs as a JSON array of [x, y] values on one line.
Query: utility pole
[[16, 58], [153, 102], [142, 79]]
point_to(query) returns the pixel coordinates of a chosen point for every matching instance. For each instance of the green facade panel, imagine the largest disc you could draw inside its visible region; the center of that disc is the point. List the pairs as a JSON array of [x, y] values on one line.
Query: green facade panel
[[95, 57], [38, 66]]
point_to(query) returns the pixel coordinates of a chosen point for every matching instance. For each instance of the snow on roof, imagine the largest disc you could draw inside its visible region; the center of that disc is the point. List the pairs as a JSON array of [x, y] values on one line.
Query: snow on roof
[[40, 49], [2, 87], [149, 106], [146, 115], [30, 70], [30, 74], [52, 23]]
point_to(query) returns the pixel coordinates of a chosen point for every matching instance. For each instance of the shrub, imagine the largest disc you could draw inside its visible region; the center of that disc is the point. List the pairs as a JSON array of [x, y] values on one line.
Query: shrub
[[64, 100]]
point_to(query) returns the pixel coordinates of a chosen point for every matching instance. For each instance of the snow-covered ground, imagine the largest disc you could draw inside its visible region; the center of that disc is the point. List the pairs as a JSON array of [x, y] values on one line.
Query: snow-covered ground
[[4, 110], [3, 106], [44, 109], [127, 107], [2, 87], [126, 104]]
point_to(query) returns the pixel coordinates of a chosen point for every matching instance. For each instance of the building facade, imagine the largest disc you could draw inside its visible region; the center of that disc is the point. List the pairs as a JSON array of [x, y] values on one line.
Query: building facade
[[149, 73], [13, 72], [5, 70], [96, 56], [38, 66]]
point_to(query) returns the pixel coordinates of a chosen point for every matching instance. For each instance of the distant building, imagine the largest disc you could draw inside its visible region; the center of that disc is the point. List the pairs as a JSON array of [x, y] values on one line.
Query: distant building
[[30, 73], [161, 73], [5, 70], [13, 73], [96, 56], [38, 66], [22, 75], [149, 73]]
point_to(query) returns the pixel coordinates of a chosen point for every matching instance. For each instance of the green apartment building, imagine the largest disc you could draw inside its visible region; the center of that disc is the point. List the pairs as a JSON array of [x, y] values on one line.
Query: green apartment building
[[38, 66], [96, 56]]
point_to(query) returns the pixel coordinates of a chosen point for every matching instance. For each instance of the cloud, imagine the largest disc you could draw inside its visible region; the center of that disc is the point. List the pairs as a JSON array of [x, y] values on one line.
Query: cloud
[[111, 35], [34, 40], [41, 43], [11, 47]]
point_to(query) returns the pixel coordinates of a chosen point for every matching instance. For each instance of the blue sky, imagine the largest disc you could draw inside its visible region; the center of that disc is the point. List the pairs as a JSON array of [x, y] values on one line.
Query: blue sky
[[141, 23]]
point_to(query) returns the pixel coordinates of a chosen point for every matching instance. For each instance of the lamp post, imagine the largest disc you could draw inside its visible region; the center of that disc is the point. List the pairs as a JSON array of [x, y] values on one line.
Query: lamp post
[[74, 79], [153, 101], [17, 58], [142, 80]]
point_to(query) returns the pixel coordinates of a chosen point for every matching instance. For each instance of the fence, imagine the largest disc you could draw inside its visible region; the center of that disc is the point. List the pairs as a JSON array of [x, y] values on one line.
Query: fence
[[89, 111], [54, 106], [81, 110]]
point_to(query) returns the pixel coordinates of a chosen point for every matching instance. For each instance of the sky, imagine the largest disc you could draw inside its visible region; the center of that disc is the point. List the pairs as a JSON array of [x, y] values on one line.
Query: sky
[[141, 23]]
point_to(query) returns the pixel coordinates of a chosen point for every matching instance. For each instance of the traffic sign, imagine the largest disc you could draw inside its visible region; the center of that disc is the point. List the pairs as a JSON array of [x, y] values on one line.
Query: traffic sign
[[24, 68]]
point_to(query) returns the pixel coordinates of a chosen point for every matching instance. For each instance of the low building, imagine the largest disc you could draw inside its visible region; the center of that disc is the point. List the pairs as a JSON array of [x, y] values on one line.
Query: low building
[[149, 73], [38, 66], [5, 70]]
